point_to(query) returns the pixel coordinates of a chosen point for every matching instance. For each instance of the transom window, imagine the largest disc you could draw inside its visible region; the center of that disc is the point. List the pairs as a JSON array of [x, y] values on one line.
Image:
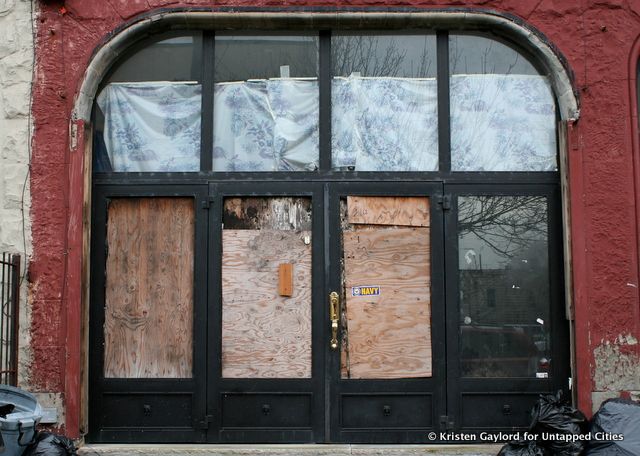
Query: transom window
[[314, 102]]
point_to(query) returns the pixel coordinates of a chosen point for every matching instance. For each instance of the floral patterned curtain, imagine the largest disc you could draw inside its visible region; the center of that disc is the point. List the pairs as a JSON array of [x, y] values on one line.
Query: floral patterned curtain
[[498, 123], [502, 123], [384, 124], [266, 125], [152, 126]]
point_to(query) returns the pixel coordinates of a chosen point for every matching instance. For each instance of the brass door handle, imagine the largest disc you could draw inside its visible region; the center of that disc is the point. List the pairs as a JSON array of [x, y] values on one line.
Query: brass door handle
[[334, 315]]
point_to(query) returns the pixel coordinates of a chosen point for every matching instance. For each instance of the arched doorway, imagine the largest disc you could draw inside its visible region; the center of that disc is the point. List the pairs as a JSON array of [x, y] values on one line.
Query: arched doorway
[[242, 178]]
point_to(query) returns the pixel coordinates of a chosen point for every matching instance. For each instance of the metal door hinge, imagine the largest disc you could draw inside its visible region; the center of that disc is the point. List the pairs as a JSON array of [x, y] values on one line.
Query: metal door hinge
[[206, 203], [445, 202], [204, 424], [445, 423]]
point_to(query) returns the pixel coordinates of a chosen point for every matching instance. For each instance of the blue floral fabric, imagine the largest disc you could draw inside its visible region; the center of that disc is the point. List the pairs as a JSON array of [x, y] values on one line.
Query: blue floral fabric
[[266, 125], [498, 123], [502, 123], [152, 126], [384, 124]]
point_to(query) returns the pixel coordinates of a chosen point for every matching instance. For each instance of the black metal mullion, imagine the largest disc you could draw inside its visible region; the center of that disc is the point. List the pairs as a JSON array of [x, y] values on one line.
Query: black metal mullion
[[206, 127], [444, 120], [324, 87], [5, 274]]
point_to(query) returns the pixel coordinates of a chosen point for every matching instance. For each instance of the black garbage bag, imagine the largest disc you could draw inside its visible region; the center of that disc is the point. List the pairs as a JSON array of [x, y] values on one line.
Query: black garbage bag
[[522, 449], [47, 444], [617, 418], [560, 428]]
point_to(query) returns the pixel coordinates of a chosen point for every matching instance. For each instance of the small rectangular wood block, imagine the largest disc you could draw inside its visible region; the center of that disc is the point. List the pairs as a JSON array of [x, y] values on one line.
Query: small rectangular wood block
[[388, 210], [285, 279]]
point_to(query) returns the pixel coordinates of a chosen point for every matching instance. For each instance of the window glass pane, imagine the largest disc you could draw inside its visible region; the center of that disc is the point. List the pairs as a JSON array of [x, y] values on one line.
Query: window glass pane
[[265, 103], [384, 102], [176, 58], [503, 114], [147, 117], [504, 286]]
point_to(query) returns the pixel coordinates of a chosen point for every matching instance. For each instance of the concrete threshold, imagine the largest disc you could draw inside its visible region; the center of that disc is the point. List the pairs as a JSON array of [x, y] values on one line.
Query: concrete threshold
[[287, 450]]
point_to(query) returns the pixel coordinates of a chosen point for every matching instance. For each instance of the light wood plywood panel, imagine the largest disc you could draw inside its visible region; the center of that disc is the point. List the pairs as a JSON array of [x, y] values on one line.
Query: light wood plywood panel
[[389, 333], [149, 288], [265, 335], [388, 210]]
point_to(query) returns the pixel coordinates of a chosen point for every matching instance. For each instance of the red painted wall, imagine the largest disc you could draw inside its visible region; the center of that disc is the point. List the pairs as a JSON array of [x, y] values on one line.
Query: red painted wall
[[596, 37]]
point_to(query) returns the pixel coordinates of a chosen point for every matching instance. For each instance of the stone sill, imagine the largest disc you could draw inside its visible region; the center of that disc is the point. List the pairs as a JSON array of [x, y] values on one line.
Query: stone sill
[[286, 450]]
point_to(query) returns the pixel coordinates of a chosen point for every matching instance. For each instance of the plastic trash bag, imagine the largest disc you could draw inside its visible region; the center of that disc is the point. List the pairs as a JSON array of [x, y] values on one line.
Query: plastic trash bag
[[616, 416], [47, 444], [553, 415], [522, 449], [549, 417]]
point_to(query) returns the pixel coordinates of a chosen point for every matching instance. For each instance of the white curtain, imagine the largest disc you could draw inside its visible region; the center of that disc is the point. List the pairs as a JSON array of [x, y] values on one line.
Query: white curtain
[[498, 123], [502, 123], [152, 126]]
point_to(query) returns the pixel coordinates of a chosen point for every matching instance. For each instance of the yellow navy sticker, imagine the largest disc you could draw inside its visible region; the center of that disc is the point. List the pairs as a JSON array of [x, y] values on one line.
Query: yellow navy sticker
[[368, 290]]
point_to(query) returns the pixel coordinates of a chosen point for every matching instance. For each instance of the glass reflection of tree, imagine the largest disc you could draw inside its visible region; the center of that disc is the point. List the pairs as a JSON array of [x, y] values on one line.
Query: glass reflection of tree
[[505, 338], [508, 225], [377, 56]]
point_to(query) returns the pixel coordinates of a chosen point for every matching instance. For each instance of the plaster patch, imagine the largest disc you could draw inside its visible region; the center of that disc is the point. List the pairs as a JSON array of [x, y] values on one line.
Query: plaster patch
[[614, 370], [627, 340], [52, 400]]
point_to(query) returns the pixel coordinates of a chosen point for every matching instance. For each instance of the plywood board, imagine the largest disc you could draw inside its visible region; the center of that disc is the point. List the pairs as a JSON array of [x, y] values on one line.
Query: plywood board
[[265, 335], [149, 288], [388, 210], [389, 332]]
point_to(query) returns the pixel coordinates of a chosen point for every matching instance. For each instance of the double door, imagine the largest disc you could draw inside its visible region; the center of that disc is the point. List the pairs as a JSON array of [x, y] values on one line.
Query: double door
[[322, 311]]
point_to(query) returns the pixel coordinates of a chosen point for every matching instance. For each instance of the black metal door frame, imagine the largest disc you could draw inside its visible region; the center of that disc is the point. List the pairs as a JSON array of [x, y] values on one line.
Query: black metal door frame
[[261, 393], [114, 403], [512, 397], [387, 397]]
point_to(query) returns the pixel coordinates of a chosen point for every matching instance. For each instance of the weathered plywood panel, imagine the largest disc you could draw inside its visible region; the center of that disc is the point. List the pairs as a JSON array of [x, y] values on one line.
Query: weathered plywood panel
[[388, 210], [389, 333], [265, 335], [149, 288]]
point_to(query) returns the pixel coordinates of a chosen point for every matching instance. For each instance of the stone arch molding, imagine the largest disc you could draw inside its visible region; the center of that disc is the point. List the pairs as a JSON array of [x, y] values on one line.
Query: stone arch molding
[[509, 26]]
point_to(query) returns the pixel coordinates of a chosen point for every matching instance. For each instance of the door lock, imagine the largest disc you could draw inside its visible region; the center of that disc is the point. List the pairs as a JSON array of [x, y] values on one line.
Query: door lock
[[334, 312]]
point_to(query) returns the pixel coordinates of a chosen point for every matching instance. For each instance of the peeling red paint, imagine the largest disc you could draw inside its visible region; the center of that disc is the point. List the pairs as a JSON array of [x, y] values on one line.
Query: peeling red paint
[[596, 38]]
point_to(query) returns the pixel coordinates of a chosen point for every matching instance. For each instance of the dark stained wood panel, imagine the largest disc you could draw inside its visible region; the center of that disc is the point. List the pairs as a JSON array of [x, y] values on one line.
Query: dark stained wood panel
[[389, 334], [149, 288], [265, 335], [275, 213], [388, 210]]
